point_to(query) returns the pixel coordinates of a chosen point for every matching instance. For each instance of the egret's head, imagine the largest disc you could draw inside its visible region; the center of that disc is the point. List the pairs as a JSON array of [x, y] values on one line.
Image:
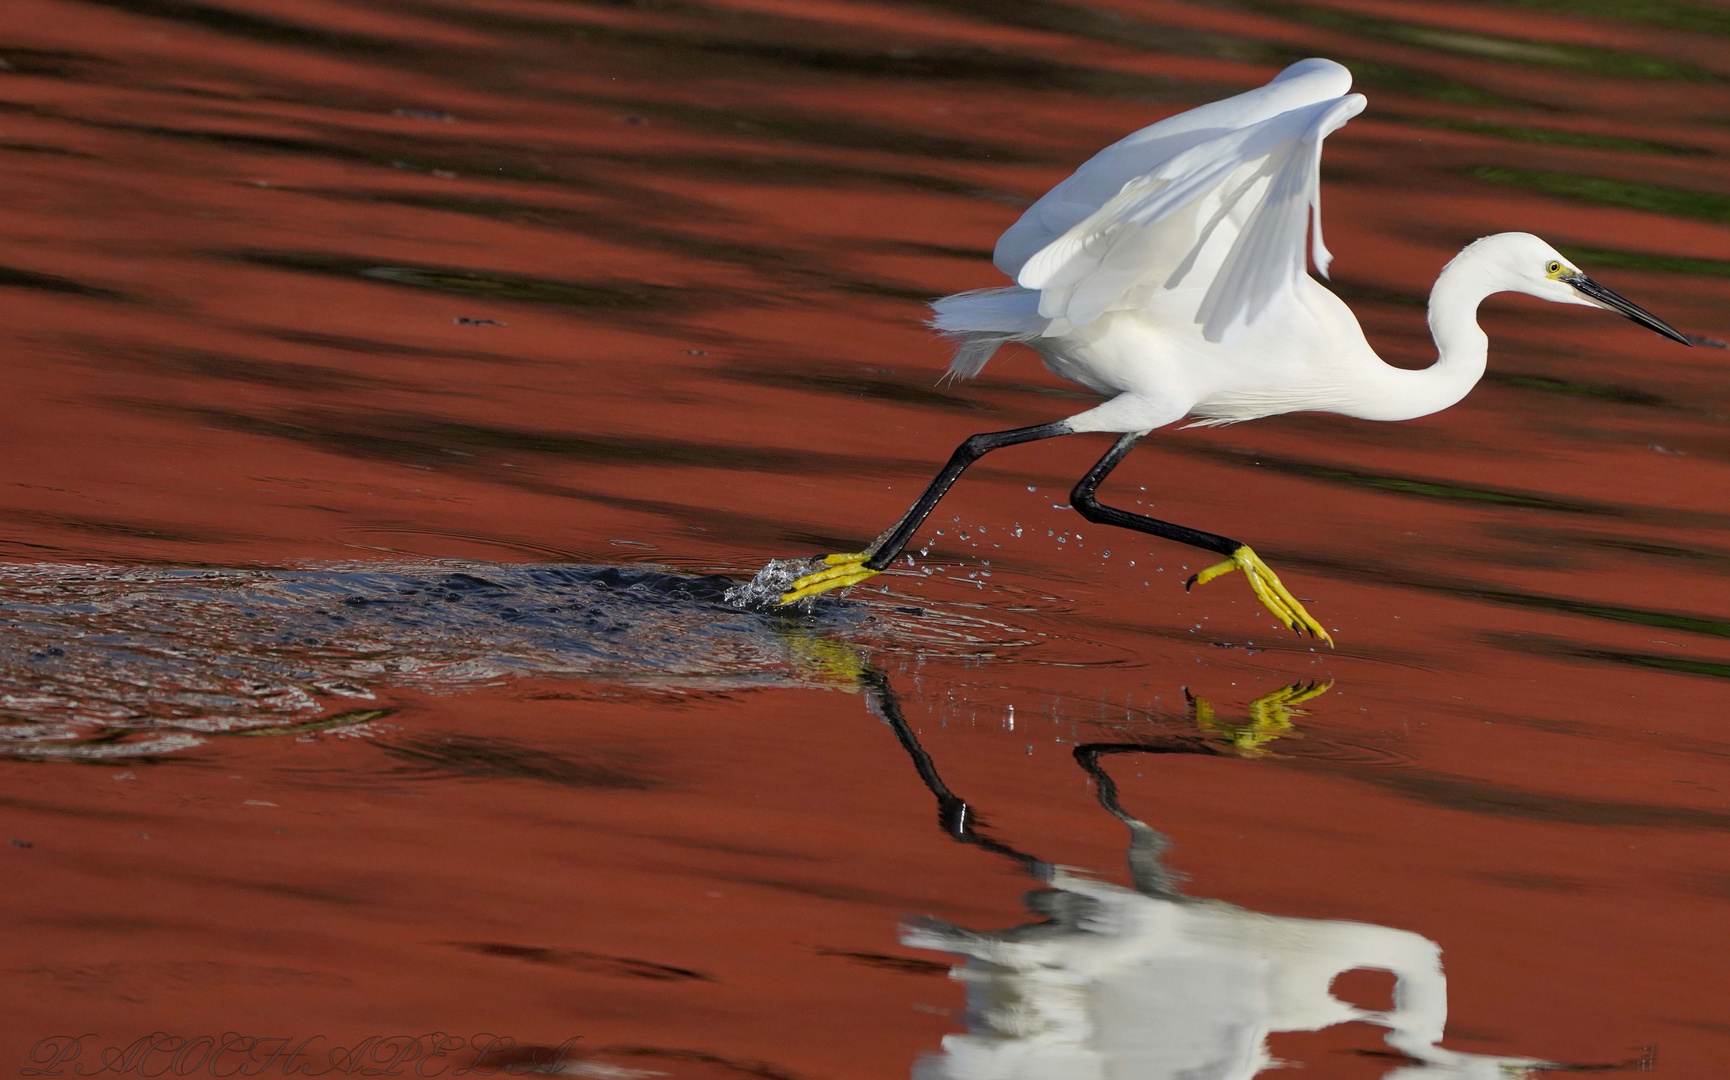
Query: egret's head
[[1520, 262]]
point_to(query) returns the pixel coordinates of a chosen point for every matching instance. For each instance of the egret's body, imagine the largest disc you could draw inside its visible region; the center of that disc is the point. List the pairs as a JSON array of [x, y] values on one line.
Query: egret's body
[[1170, 274]]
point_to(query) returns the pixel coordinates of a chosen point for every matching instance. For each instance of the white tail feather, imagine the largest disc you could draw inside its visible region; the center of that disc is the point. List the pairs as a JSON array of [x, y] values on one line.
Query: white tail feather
[[984, 320]]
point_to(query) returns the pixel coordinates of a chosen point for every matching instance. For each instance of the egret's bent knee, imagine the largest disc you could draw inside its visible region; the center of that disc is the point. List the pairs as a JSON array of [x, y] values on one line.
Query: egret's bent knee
[[1084, 502]]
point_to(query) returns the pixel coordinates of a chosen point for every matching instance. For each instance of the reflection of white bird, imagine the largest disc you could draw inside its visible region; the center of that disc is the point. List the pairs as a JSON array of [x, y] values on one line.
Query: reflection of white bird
[[1150, 984], [1129, 986], [1169, 275]]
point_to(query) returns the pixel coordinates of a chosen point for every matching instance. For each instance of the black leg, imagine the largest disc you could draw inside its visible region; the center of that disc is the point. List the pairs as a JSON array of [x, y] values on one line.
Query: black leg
[[1093, 510], [1266, 584], [885, 549]]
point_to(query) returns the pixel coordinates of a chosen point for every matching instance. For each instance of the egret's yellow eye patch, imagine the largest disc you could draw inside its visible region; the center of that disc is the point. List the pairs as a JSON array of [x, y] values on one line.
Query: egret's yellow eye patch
[[1557, 270]]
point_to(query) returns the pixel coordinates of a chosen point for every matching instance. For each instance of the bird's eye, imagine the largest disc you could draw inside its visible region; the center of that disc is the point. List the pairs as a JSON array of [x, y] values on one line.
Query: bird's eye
[[1553, 268]]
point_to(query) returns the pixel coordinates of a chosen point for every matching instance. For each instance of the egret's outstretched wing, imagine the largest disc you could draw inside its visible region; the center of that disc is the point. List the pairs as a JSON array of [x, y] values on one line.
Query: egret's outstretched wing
[[1102, 176], [1232, 213]]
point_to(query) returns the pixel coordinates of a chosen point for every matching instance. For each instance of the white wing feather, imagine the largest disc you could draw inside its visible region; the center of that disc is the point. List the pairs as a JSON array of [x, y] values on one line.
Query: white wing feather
[[1255, 186]]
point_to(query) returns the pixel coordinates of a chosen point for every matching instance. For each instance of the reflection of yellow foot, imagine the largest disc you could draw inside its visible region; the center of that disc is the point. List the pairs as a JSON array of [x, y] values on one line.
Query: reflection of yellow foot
[[824, 660], [1270, 716], [843, 570], [1278, 599]]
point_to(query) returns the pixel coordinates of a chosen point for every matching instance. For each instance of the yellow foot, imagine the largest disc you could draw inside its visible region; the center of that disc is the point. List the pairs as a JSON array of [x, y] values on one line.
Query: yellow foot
[[1268, 590], [1270, 716], [843, 570]]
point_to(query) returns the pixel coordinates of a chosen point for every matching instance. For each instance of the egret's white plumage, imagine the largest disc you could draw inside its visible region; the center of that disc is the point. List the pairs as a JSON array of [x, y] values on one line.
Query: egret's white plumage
[[1170, 275]]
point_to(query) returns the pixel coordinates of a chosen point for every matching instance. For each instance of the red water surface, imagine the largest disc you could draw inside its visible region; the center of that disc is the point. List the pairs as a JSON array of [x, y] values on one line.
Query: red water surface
[[289, 282]]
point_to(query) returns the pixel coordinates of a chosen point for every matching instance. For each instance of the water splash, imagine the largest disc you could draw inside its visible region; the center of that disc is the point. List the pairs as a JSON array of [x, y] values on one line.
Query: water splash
[[763, 592]]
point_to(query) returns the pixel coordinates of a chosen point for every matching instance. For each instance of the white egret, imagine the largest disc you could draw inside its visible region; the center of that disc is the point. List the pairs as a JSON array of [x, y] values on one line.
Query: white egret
[[1169, 274]]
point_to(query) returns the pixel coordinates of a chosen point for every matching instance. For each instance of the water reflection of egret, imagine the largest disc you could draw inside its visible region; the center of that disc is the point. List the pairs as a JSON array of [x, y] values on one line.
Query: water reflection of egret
[[1148, 984], [1169, 275]]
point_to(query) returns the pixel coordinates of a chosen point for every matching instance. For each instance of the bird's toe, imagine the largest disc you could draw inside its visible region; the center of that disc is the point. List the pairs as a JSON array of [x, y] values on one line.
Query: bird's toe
[[1268, 588], [839, 571]]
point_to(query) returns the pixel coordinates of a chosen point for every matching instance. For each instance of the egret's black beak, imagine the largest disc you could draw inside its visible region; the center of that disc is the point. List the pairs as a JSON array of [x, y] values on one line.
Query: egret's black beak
[[1595, 292]]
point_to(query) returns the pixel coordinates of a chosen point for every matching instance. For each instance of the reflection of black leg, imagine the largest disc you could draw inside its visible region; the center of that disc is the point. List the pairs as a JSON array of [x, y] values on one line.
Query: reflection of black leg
[[953, 813], [1093, 510], [975, 447], [1147, 871]]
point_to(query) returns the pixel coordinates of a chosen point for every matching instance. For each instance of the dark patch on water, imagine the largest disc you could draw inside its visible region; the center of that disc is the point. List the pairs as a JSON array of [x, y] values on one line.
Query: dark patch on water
[[1668, 662], [426, 439], [1713, 883], [450, 159], [1591, 60], [762, 1070], [374, 347], [823, 890], [771, 124], [1640, 260], [1637, 545], [1548, 883], [1622, 395], [781, 264], [759, 168], [878, 389], [46, 63], [1473, 796], [477, 757], [254, 27], [1605, 191], [494, 285], [1112, 27], [920, 247], [593, 963], [1670, 14], [15, 278], [292, 890], [737, 45], [1555, 136], [1363, 292], [179, 360], [132, 530], [1116, 28], [53, 151], [1496, 594], [373, 148], [92, 813], [903, 965], [1402, 485]]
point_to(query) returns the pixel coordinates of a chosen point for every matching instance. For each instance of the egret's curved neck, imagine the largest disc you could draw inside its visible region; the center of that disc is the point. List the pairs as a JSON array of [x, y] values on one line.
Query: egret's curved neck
[[1462, 348]]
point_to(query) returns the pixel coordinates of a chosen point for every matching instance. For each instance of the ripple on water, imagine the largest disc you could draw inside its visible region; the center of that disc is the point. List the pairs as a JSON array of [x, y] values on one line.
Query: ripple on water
[[105, 661]]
